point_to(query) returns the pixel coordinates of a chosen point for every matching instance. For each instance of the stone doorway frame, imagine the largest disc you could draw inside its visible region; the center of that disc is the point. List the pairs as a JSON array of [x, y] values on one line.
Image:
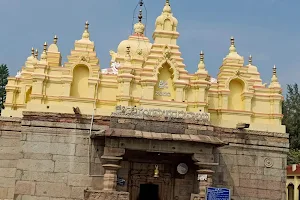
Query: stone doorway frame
[[115, 148]]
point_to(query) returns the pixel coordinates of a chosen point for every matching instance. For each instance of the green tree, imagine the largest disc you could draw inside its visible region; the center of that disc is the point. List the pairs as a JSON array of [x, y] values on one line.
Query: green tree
[[3, 81], [291, 112]]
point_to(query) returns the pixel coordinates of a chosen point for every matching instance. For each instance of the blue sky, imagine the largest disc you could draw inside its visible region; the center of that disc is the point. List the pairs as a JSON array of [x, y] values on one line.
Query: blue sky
[[267, 29]]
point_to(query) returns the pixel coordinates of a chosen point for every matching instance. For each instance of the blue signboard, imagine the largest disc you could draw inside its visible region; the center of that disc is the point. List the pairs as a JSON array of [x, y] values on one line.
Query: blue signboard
[[217, 194]]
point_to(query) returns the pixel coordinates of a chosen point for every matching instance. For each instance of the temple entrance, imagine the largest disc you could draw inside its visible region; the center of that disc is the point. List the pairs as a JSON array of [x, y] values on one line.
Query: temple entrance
[[149, 191], [154, 176]]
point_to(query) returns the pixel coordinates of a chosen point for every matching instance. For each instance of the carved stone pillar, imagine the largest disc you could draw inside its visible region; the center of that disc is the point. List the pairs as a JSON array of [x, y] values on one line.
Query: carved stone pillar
[[205, 172], [110, 176], [111, 163], [205, 181]]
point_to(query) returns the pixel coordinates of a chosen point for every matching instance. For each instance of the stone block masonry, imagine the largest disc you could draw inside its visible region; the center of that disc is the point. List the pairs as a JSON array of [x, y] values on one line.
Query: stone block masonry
[[10, 153], [44, 156], [47, 159]]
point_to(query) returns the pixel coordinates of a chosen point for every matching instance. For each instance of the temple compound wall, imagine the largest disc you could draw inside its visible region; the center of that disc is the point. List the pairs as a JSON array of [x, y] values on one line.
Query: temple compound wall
[[47, 156]]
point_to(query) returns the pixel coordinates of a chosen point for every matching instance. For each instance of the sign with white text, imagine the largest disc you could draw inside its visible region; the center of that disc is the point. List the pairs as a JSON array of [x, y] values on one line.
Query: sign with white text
[[217, 193]]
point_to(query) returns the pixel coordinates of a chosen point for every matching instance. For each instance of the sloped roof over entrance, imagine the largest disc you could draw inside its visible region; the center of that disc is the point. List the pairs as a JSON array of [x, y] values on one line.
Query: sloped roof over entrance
[[125, 133]]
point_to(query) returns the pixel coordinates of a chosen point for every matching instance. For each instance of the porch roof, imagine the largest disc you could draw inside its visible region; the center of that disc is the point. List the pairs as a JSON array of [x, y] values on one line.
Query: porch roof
[[127, 133]]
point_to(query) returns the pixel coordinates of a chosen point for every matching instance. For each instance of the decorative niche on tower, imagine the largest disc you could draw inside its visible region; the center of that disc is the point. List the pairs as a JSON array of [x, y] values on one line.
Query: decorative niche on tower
[[235, 99], [80, 84], [164, 89]]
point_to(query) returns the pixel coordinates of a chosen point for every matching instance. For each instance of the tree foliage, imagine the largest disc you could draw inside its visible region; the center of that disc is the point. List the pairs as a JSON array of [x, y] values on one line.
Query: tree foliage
[[3, 81], [291, 112]]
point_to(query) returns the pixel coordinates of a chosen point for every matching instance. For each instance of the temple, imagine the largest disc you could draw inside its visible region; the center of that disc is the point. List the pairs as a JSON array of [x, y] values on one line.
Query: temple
[[148, 75], [144, 125]]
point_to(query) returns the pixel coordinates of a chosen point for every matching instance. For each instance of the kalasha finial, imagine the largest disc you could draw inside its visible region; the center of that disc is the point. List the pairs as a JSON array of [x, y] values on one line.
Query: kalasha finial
[[250, 60], [55, 39], [232, 41], [202, 56], [87, 25], [274, 70], [140, 16], [168, 2], [32, 51], [45, 46], [36, 53], [141, 3]]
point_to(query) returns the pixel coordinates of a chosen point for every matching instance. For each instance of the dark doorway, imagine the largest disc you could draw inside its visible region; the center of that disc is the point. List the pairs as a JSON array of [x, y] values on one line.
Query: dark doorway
[[148, 192]]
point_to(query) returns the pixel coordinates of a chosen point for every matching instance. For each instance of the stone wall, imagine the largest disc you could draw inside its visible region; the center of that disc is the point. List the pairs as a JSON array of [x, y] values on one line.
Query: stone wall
[[48, 159], [253, 165], [9, 155], [45, 156]]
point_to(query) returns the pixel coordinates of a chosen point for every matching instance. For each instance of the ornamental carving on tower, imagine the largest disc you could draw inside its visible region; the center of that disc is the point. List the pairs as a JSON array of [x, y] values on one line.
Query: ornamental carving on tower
[[84, 59]]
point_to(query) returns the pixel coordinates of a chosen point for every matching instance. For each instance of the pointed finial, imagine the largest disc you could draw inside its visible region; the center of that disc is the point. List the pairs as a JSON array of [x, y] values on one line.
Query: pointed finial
[[167, 8], [87, 25], [55, 39], [86, 34], [232, 48], [274, 70], [44, 54], [45, 46], [201, 56], [201, 65], [250, 60], [274, 80], [32, 52], [36, 53], [140, 16], [232, 40]]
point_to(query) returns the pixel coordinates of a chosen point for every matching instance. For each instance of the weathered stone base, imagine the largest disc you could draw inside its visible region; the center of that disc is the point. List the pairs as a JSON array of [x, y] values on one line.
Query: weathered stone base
[[105, 195]]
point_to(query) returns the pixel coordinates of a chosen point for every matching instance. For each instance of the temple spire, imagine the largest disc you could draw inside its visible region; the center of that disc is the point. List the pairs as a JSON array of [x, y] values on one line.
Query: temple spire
[[232, 48], [53, 47], [201, 65], [35, 56], [167, 23], [44, 54], [232, 51], [274, 79], [167, 8], [30, 59]]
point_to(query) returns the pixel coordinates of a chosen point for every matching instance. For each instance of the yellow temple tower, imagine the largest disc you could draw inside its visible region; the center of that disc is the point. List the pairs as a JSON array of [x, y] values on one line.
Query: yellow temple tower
[[147, 75]]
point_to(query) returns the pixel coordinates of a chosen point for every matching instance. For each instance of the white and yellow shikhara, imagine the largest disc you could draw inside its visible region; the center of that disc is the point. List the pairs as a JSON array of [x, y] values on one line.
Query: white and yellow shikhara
[[147, 75]]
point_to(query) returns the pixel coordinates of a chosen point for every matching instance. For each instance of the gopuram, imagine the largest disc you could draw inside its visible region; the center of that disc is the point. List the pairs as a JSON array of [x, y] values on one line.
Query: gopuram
[[143, 128]]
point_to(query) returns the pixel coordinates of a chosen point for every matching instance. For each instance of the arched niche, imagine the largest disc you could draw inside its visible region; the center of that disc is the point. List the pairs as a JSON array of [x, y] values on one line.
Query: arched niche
[[291, 192], [235, 99], [80, 85], [164, 89], [168, 25]]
